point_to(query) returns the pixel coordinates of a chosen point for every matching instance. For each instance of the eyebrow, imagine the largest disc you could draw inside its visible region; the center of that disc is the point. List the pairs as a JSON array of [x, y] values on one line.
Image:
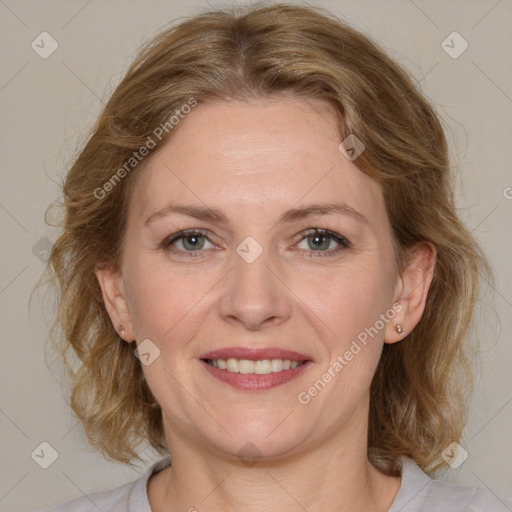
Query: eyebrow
[[215, 215]]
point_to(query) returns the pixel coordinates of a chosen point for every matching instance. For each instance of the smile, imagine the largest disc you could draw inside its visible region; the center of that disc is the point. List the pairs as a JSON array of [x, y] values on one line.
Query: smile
[[258, 367], [255, 369]]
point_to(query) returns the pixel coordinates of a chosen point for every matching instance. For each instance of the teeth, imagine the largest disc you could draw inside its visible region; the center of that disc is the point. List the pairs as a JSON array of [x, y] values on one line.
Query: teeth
[[245, 366], [260, 367], [263, 367], [232, 365]]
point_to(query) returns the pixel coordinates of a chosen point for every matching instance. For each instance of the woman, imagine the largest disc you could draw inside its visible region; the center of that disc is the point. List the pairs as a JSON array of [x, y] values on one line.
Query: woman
[[262, 273]]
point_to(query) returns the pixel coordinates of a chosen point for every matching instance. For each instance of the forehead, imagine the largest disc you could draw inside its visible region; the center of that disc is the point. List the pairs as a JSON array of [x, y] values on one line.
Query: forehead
[[247, 156]]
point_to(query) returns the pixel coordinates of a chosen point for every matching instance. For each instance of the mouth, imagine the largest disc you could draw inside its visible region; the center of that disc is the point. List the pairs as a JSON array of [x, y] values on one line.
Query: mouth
[[255, 369], [258, 367]]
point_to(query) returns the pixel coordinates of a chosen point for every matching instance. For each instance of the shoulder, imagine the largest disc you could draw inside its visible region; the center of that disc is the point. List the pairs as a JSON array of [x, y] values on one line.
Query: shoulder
[[112, 500], [420, 493], [129, 497]]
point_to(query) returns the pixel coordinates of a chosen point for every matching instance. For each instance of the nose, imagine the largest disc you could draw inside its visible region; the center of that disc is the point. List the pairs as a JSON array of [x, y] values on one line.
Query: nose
[[254, 295]]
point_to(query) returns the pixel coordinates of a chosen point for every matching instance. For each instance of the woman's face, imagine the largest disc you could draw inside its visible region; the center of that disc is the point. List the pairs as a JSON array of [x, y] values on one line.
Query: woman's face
[[254, 281]]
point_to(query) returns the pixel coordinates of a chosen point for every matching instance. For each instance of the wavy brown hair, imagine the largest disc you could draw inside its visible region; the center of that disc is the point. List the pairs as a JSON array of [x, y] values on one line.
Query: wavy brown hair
[[420, 389]]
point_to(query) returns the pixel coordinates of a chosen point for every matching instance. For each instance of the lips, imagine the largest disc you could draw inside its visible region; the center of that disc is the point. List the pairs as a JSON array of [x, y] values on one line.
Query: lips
[[250, 381], [255, 354]]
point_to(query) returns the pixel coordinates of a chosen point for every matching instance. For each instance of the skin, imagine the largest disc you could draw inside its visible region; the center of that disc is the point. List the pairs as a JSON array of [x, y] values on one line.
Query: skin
[[255, 160]]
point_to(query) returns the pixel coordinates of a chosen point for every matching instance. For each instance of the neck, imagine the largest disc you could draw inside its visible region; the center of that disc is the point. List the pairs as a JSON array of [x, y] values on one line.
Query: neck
[[313, 480]]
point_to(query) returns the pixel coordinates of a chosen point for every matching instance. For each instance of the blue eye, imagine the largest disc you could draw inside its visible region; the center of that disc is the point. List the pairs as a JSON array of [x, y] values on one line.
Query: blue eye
[[191, 240], [321, 242]]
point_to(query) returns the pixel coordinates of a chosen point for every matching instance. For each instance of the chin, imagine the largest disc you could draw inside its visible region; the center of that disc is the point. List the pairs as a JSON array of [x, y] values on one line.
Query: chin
[[244, 438]]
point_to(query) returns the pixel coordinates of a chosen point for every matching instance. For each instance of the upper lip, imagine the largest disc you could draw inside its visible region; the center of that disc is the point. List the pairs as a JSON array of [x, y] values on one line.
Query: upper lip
[[254, 354]]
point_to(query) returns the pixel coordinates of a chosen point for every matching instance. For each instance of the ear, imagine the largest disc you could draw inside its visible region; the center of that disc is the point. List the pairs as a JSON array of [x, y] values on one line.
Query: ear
[[412, 290], [114, 297]]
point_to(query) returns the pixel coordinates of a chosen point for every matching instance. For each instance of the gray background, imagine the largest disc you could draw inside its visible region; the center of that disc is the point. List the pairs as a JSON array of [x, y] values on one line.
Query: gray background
[[48, 104]]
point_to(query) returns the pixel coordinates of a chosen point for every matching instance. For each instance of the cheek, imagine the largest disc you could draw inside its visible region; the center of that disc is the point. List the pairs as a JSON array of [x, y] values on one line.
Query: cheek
[[164, 301], [353, 344], [349, 300]]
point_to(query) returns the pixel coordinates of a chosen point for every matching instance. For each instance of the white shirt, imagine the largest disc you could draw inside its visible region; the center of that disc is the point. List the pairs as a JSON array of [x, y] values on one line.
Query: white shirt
[[418, 493]]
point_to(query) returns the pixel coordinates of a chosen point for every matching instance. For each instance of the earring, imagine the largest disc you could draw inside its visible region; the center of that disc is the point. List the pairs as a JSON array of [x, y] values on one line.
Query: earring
[[121, 328], [399, 329]]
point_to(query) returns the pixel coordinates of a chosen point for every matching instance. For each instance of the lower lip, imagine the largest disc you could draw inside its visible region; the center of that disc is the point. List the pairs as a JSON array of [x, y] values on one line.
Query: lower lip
[[254, 382]]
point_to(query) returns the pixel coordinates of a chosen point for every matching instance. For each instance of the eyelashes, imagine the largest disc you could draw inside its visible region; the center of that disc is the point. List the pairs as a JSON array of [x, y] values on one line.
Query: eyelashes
[[193, 236], [194, 242], [321, 235]]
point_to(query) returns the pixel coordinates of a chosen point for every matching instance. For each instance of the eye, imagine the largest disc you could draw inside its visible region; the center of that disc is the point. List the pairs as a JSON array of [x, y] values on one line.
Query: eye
[[187, 241], [321, 242]]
